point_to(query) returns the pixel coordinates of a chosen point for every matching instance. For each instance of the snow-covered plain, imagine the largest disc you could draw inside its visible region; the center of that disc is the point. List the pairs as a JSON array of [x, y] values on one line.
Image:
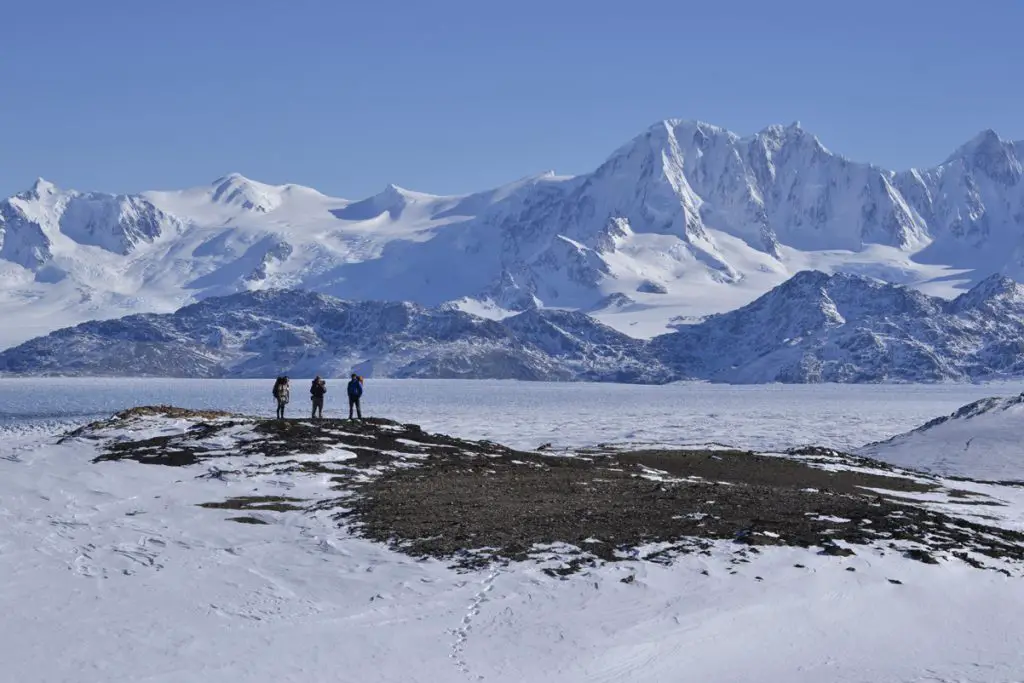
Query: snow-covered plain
[[111, 573]]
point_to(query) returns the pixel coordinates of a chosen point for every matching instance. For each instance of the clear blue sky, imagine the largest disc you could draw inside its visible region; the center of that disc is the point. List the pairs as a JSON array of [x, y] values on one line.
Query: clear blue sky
[[452, 96]]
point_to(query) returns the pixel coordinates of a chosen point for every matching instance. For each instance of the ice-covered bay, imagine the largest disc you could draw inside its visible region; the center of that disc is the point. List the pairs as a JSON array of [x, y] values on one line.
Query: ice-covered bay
[[525, 414]]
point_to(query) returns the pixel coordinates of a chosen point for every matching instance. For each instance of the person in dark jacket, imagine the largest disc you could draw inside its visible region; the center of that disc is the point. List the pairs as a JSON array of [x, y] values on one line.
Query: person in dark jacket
[[282, 394], [355, 392], [316, 394]]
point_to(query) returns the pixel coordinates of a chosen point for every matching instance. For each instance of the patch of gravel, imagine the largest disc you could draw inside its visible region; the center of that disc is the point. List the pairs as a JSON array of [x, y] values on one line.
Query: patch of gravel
[[610, 505]]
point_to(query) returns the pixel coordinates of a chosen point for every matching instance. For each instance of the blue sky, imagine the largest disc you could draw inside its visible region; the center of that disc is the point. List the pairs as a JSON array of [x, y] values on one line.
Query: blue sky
[[452, 96]]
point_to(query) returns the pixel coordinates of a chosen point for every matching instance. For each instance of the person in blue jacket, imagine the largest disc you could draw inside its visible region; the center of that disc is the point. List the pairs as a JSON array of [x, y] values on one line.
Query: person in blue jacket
[[355, 392]]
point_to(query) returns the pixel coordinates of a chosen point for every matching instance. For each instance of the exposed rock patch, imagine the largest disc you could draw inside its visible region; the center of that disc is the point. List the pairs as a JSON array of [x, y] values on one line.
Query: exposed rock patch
[[477, 502]]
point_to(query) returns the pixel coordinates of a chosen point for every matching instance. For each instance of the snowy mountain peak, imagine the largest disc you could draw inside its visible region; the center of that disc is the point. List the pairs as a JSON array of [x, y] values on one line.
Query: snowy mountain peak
[[394, 197], [849, 296], [41, 192], [796, 135], [849, 328], [987, 141], [989, 154], [394, 194], [42, 187], [814, 285], [806, 279], [392, 200], [236, 190], [116, 224], [777, 131], [44, 222], [996, 285], [774, 132], [682, 127], [234, 177], [994, 290], [809, 287]]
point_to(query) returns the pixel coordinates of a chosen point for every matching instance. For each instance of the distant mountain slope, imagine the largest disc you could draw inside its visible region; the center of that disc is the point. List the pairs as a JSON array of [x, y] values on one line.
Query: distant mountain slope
[[261, 334], [687, 219], [813, 328], [847, 328]]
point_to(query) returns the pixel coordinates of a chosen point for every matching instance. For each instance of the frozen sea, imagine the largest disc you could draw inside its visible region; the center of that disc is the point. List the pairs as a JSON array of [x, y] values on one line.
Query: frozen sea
[[527, 414]]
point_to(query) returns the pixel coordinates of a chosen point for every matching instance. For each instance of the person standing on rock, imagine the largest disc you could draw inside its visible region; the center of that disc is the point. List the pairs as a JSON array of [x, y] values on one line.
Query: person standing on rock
[[355, 392], [316, 394], [282, 394]]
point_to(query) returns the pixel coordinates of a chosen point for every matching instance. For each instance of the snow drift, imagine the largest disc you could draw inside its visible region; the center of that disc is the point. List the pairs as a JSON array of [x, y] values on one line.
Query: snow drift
[[981, 440]]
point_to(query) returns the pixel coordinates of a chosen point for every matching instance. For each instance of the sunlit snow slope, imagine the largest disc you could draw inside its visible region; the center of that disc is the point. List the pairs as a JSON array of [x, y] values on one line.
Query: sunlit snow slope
[[982, 440]]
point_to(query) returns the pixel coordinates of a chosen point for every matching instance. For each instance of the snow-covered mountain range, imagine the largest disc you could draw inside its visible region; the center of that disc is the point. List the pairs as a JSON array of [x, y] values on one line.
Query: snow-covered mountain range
[[685, 220], [813, 328], [262, 334], [848, 328]]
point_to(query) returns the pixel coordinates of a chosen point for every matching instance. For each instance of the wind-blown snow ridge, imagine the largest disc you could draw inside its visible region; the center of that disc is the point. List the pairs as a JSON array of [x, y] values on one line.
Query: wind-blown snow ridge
[[981, 440], [686, 219]]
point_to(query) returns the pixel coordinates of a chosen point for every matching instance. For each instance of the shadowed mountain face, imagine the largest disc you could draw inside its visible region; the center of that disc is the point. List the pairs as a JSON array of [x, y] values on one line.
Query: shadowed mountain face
[[266, 333], [813, 328], [845, 328]]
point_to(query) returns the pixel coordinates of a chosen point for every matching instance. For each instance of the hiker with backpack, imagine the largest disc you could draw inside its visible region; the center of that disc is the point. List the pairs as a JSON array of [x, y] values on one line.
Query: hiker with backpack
[[355, 392], [282, 394], [316, 394]]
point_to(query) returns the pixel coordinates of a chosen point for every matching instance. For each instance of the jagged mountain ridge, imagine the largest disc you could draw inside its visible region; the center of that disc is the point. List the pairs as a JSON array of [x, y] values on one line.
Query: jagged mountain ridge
[[32, 221], [813, 328], [685, 219], [261, 334], [848, 328]]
